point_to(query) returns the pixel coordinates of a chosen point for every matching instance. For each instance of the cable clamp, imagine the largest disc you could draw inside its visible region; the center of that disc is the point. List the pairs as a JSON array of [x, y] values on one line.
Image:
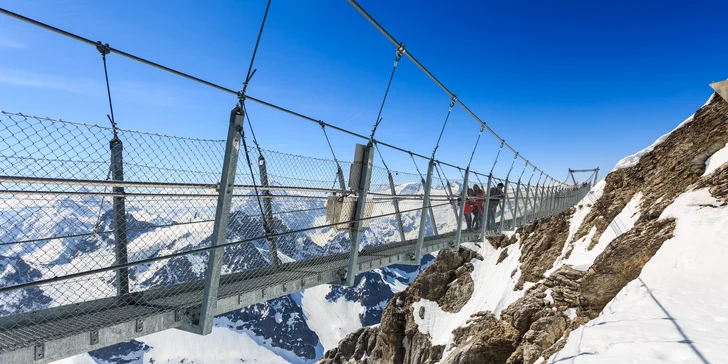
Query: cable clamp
[[516, 157], [104, 49], [323, 125], [503, 142], [400, 52], [241, 95], [453, 100]]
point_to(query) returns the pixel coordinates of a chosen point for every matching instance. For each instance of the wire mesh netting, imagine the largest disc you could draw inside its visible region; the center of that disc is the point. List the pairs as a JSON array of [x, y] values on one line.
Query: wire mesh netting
[[123, 221]]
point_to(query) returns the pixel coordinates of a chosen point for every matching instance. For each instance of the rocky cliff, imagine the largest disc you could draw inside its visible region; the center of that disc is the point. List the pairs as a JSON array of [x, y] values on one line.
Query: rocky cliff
[[516, 299]]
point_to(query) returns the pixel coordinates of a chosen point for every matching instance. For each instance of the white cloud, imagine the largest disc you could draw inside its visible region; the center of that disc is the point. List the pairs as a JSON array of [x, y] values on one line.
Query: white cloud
[[128, 90], [7, 42]]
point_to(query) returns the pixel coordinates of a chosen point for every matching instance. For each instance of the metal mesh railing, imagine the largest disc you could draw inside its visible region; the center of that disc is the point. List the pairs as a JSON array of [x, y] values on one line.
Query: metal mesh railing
[[60, 238]]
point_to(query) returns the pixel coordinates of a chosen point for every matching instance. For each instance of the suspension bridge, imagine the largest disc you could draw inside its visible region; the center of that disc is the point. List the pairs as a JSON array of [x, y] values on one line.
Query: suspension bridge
[[109, 234]]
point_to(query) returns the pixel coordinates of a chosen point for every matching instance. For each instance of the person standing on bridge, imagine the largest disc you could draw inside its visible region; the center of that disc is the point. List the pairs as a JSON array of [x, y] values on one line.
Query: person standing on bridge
[[496, 194], [479, 203], [468, 209]]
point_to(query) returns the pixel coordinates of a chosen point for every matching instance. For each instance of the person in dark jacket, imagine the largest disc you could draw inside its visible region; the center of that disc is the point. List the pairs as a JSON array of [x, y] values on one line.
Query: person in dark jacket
[[496, 194]]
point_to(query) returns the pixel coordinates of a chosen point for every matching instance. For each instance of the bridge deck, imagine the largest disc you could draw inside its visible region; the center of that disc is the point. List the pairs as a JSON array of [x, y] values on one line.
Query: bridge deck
[[41, 340]]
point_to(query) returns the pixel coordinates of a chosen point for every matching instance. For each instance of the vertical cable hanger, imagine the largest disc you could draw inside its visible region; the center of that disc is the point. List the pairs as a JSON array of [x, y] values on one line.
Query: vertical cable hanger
[[398, 56], [104, 49], [241, 96], [339, 172], [503, 142], [523, 170], [472, 154], [442, 130]]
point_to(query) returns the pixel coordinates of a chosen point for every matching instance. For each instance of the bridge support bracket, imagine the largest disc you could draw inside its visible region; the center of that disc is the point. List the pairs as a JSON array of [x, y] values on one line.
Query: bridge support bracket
[[220, 225], [365, 157], [94, 337], [426, 207], [39, 351]]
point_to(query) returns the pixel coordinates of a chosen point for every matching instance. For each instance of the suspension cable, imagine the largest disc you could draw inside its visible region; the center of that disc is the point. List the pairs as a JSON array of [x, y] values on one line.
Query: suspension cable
[[417, 168], [512, 164], [444, 185], [447, 180], [104, 49], [472, 154], [331, 148], [398, 56], [251, 72], [531, 177], [447, 117], [255, 184], [376, 146], [496, 158], [237, 93], [523, 170], [241, 96]]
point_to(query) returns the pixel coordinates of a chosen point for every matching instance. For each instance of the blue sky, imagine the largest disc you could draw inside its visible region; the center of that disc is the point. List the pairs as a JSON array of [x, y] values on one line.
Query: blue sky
[[567, 83]]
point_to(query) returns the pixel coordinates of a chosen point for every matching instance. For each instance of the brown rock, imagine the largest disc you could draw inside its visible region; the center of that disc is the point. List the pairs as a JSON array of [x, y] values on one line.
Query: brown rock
[[622, 261], [503, 256]]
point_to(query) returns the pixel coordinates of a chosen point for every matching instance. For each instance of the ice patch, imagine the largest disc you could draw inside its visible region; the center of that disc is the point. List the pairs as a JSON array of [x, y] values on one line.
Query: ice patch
[[716, 160]]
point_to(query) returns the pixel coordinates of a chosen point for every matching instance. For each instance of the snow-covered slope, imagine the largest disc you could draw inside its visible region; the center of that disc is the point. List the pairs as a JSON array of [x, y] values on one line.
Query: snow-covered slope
[[630, 274], [677, 310]]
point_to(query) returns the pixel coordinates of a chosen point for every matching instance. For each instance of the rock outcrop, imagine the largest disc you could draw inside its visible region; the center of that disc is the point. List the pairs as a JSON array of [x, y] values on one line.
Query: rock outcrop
[[538, 323], [446, 281]]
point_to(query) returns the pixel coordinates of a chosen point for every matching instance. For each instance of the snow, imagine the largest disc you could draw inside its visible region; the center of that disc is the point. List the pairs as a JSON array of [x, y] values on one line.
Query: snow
[[716, 160], [677, 310], [548, 298], [632, 160], [493, 292], [582, 257], [176, 346], [331, 321]]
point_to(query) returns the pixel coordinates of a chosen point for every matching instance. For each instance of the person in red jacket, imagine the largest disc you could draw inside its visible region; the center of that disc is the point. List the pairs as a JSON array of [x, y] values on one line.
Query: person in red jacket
[[479, 203]]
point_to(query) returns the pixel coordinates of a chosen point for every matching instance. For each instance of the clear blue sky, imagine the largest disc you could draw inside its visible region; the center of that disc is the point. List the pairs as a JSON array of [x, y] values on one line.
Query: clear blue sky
[[568, 83]]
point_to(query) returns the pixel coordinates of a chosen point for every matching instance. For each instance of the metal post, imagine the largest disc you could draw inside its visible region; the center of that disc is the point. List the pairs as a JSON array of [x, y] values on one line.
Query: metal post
[[559, 200], [524, 220], [423, 214], [486, 205], [268, 211], [505, 204], [117, 174], [361, 202], [432, 212], [596, 175], [536, 204], [514, 221], [549, 202], [222, 215], [400, 226], [461, 210]]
